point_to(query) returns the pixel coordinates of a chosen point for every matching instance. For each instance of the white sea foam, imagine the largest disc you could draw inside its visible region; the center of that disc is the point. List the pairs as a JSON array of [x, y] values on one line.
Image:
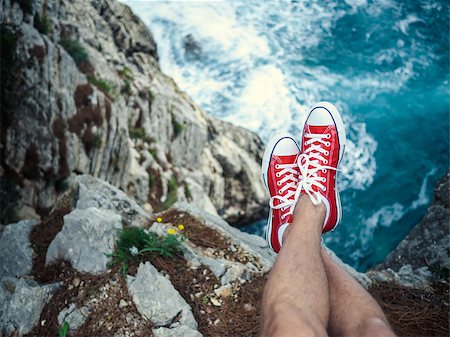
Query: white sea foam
[[389, 214], [422, 198], [256, 108], [403, 25]]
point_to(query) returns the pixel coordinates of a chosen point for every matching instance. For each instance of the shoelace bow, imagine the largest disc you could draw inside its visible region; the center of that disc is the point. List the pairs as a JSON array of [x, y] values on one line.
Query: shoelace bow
[[310, 163], [289, 193]]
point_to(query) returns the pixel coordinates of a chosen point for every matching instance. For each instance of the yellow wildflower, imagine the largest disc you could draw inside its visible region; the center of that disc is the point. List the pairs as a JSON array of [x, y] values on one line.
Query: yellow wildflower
[[180, 227], [171, 231], [159, 219]]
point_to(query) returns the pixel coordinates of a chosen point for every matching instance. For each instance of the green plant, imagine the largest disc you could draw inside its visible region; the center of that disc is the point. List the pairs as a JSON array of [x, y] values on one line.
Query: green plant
[[172, 193], [105, 86], [126, 88], [126, 74], [136, 133], [151, 96], [63, 329], [9, 201], [152, 152], [42, 24], [177, 126], [76, 50], [187, 191], [440, 271], [133, 243]]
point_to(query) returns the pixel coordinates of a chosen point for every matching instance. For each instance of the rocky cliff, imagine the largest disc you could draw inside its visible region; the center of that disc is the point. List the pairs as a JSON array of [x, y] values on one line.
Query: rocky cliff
[[82, 92], [129, 177], [102, 266], [427, 245]]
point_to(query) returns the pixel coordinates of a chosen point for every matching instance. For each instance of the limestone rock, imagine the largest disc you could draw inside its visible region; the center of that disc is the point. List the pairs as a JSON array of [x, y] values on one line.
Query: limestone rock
[[115, 116], [21, 304], [429, 242], [217, 267], [157, 299], [254, 244], [406, 276], [87, 235], [16, 254], [234, 272], [74, 316], [181, 331], [100, 194]]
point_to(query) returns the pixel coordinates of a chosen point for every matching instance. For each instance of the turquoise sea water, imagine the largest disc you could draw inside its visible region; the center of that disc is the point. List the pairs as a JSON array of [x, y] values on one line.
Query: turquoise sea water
[[384, 63]]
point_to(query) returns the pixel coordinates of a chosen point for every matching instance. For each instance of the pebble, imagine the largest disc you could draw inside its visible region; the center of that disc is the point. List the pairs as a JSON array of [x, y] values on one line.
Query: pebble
[[224, 291], [202, 312], [76, 282], [123, 303], [248, 307], [215, 302], [217, 321]]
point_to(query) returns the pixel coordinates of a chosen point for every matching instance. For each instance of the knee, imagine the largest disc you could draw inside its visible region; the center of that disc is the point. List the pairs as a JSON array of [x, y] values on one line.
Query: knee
[[284, 320], [375, 326]]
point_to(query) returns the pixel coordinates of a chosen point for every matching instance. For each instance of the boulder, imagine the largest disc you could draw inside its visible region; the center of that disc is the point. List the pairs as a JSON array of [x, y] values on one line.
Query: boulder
[[21, 304], [74, 316], [16, 254], [85, 239], [100, 194], [157, 299]]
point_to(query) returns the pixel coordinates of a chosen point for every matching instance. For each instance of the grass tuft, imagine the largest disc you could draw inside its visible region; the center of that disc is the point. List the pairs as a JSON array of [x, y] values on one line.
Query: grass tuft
[[105, 86], [126, 74], [177, 127], [172, 193], [43, 24], [187, 191], [76, 50], [136, 133], [134, 243]]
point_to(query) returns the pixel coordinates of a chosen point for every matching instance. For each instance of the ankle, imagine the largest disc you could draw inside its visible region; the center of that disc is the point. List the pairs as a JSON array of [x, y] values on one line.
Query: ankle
[[305, 207]]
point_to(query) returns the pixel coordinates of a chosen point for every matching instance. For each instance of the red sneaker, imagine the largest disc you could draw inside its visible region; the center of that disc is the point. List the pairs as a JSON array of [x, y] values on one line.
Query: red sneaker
[[323, 144], [280, 176]]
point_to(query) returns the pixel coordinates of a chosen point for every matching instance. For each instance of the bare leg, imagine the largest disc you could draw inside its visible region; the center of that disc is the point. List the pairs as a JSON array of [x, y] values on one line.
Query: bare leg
[[354, 312], [296, 299]]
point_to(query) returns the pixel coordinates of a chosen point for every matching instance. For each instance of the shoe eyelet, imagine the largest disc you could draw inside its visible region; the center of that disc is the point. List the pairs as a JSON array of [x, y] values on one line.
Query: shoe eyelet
[[327, 153], [278, 183], [279, 192], [277, 166], [327, 144], [328, 136], [325, 161], [324, 188], [277, 174], [324, 170]]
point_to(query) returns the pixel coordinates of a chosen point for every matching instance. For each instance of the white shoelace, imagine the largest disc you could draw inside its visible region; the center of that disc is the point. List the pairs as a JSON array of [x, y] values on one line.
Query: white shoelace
[[311, 162], [289, 193]]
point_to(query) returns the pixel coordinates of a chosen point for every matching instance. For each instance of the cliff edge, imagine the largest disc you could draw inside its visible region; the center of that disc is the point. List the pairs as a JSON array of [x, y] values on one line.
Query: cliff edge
[[82, 92]]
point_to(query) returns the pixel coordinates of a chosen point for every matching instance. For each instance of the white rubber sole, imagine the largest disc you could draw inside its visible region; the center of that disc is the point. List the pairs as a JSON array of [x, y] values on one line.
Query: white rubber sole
[[342, 140], [265, 168]]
